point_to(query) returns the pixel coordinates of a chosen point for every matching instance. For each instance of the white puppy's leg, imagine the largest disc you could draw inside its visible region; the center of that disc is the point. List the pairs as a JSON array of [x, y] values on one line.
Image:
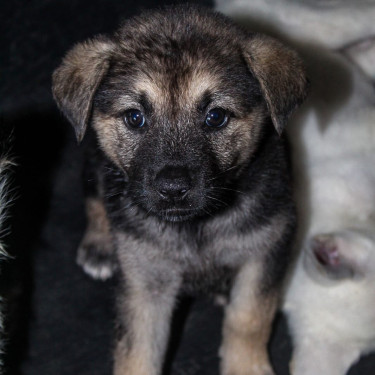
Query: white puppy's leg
[[320, 357]]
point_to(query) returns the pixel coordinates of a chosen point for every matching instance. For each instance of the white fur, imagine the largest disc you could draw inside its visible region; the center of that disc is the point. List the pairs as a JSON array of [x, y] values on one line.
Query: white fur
[[4, 197], [362, 53], [331, 23], [332, 321], [4, 203]]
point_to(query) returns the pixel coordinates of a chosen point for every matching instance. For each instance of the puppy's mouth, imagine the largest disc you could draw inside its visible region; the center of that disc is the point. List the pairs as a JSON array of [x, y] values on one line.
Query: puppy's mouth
[[178, 194], [177, 214], [173, 193], [189, 207]]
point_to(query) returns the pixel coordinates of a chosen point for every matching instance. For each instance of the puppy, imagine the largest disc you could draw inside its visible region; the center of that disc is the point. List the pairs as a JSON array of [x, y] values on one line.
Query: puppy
[[189, 184], [330, 302], [333, 23], [329, 298]]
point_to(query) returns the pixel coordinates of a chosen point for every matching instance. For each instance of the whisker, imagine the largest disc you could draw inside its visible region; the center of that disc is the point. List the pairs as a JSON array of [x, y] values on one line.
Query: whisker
[[206, 211], [113, 194], [226, 188], [220, 173], [218, 200]]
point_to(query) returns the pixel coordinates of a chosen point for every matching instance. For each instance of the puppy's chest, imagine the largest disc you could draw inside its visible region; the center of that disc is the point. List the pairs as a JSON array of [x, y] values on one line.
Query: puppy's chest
[[205, 261], [206, 252], [201, 267]]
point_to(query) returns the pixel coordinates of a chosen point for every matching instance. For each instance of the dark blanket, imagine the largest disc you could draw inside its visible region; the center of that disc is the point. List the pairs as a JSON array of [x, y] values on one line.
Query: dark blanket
[[58, 320]]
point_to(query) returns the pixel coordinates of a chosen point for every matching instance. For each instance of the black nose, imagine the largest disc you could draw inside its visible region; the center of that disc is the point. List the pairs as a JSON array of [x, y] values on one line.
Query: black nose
[[173, 182]]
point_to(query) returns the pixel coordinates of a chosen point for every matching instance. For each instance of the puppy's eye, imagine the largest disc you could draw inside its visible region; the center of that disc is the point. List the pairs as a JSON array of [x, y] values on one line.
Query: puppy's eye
[[134, 118], [216, 118]]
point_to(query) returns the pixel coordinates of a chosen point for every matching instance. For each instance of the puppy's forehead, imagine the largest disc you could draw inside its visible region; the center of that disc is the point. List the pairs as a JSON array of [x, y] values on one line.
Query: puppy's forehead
[[179, 73], [175, 59], [175, 89]]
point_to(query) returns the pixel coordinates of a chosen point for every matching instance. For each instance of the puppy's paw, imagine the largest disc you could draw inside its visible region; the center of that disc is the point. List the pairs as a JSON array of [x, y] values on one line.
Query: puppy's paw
[[221, 300], [238, 360], [97, 260], [326, 250], [342, 254], [252, 370]]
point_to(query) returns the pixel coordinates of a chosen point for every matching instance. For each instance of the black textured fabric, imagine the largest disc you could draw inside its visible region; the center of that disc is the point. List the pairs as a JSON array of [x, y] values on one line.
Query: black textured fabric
[[59, 321]]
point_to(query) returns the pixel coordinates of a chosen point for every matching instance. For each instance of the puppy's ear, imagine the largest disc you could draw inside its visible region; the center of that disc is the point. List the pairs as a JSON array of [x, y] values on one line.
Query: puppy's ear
[[281, 75], [75, 81]]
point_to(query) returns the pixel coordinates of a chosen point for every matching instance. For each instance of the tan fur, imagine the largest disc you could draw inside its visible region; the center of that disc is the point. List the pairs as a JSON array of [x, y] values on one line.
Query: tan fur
[[76, 80], [155, 89], [247, 326], [98, 225], [97, 234], [115, 140], [281, 76], [149, 310], [134, 363], [198, 82]]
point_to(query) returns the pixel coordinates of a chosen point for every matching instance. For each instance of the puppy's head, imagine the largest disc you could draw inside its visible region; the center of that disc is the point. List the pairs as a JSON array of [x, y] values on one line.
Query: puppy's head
[[179, 99]]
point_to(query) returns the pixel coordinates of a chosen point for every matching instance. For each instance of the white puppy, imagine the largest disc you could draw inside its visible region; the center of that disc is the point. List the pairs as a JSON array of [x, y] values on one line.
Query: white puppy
[[333, 23], [330, 301], [330, 297]]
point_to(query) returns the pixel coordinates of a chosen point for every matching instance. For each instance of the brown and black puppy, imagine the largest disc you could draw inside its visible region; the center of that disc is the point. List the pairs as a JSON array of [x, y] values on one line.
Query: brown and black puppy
[[191, 185]]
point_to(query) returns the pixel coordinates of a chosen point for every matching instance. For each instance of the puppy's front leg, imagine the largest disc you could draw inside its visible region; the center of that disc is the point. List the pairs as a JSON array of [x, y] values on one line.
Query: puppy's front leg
[[96, 254], [247, 326], [145, 311]]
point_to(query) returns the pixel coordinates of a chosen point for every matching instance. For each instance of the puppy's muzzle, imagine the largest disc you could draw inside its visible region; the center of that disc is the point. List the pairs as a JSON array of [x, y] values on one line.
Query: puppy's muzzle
[[173, 183]]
